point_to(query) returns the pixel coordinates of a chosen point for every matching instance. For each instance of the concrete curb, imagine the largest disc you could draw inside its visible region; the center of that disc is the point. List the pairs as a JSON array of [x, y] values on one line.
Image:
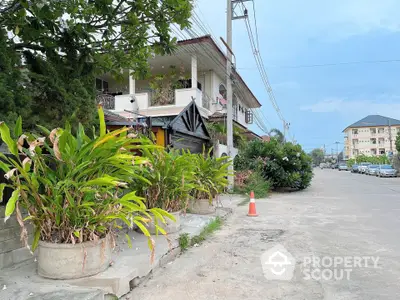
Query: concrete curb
[[175, 252], [130, 269]]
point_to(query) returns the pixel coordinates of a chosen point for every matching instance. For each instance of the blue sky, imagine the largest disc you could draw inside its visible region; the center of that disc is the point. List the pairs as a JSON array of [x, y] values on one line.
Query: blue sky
[[319, 101]]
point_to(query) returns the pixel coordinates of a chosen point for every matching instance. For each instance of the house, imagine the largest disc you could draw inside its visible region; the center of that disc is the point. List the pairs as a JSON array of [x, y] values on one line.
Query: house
[[195, 73], [373, 135]]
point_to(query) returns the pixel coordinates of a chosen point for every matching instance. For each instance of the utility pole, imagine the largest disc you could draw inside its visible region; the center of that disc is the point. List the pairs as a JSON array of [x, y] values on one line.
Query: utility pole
[[231, 5], [229, 108], [337, 151], [390, 137]]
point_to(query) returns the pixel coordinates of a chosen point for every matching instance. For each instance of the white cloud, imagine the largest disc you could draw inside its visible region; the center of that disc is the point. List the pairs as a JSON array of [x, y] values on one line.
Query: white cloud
[[389, 108]]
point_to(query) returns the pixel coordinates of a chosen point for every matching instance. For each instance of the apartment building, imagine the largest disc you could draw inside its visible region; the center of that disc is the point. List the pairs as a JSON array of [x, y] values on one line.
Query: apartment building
[[372, 136], [198, 69]]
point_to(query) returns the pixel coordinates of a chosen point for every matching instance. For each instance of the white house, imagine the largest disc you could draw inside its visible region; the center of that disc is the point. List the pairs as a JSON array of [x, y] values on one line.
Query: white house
[[201, 67]]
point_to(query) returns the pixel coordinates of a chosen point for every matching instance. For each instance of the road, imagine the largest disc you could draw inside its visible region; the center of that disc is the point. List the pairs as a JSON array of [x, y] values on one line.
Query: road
[[341, 215]]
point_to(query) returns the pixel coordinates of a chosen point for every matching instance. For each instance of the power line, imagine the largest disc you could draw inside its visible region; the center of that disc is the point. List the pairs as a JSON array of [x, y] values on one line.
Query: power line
[[263, 74], [192, 34], [329, 64]]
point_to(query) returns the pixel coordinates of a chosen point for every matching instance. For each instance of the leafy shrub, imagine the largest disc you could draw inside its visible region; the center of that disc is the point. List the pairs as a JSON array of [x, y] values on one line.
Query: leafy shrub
[[377, 160], [283, 165], [169, 178], [74, 187], [247, 181], [210, 175]]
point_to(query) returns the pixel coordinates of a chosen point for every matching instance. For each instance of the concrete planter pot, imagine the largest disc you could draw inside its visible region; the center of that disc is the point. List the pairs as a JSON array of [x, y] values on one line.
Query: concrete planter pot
[[170, 226], [68, 261], [201, 206]]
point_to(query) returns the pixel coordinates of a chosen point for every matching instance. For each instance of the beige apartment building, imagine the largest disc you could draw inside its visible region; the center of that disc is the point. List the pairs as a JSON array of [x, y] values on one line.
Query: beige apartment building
[[373, 135]]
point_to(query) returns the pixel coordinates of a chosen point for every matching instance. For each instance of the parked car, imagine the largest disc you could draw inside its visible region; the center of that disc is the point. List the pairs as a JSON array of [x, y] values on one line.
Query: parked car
[[322, 165], [343, 167], [386, 171], [354, 169], [372, 169], [362, 168], [334, 166]]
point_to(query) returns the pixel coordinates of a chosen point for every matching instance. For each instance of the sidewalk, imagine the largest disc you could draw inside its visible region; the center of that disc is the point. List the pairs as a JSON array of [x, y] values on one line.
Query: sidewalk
[[130, 265]]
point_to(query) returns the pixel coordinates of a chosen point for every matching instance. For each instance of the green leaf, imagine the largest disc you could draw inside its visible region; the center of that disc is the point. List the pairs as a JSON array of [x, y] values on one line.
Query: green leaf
[[44, 130], [77, 233], [36, 238], [18, 127], [142, 228], [102, 121], [10, 207], [128, 238], [160, 229], [5, 136], [2, 186]]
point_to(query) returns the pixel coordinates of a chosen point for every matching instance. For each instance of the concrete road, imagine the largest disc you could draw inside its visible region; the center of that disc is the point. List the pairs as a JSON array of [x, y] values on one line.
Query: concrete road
[[350, 221]]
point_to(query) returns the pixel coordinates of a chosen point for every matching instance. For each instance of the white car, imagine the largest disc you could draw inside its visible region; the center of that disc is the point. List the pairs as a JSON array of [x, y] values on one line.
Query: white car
[[386, 171]]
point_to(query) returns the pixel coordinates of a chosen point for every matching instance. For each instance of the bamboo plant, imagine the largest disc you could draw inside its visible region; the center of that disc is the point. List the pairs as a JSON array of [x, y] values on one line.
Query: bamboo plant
[[74, 187]]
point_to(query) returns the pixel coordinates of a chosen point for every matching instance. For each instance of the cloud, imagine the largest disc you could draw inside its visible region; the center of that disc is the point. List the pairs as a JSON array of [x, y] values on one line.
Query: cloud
[[389, 108]]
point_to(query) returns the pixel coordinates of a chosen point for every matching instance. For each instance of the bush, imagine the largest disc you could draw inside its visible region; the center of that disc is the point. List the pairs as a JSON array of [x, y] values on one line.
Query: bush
[[376, 160], [283, 165], [72, 185], [247, 181]]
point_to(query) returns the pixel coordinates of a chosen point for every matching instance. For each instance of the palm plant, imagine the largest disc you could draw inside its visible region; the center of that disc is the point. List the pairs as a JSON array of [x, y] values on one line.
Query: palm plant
[[277, 134], [74, 187], [210, 175], [169, 179]]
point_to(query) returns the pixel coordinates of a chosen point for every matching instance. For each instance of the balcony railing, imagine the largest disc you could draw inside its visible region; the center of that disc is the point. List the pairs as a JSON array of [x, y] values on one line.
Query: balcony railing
[[106, 100], [206, 101]]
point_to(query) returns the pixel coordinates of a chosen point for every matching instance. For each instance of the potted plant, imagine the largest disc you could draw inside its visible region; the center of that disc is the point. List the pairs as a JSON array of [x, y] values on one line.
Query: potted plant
[[73, 188], [210, 179], [169, 183]]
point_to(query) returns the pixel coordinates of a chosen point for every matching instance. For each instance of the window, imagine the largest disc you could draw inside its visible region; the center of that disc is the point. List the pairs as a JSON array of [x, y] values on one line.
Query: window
[[355, 131], [372, 130], [101, 85], [249, 116], [222, 90]]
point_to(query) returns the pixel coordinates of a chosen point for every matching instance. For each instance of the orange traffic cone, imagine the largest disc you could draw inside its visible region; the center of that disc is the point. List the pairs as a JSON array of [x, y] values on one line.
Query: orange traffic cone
[[252, 206]]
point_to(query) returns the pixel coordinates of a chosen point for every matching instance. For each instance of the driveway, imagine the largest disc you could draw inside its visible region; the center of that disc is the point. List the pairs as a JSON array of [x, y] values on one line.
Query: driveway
[[344, 224]]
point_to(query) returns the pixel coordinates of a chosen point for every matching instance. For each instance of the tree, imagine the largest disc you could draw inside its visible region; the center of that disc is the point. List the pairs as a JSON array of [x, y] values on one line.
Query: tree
[[283, 165], [317, 156], [277, 134], [65, 44], [398, 142]]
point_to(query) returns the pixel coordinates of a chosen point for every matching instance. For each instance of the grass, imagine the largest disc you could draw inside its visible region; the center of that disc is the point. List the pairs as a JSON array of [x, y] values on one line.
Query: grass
[[244, 201], [185, 241]]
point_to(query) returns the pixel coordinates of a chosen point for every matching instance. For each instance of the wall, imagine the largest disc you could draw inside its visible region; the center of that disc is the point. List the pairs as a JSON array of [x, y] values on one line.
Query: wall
[[11, 248], [364, 136]]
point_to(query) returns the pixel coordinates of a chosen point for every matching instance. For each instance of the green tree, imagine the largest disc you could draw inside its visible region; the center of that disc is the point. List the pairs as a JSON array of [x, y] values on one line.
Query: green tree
[[283, 165], [14, 100], [65, 44], [398, 142], [317, 156], [277, 134]]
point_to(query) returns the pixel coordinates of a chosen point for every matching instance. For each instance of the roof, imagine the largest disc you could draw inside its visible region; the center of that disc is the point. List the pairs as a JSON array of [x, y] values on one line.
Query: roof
[[374, 121], [208, 39]]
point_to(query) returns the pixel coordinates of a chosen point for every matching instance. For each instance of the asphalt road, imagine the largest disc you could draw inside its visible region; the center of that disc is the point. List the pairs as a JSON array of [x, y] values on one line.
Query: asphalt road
[[350, 221]]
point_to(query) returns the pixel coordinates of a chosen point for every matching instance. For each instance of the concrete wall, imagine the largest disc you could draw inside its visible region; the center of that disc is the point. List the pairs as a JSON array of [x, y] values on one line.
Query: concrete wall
[[361, 140], [11, 248]]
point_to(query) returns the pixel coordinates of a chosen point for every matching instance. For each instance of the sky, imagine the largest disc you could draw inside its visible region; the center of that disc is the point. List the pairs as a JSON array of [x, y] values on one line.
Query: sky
[[330, 63]]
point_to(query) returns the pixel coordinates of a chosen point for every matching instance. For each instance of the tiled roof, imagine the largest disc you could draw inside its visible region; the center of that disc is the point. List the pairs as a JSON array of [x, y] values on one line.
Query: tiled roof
[[373, 121]]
